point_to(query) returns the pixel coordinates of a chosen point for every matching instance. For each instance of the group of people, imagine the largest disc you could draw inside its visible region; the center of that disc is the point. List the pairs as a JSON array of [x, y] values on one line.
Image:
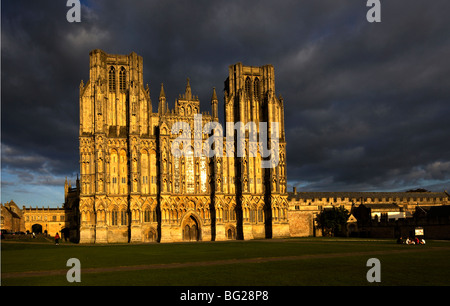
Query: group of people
[[414, 240]]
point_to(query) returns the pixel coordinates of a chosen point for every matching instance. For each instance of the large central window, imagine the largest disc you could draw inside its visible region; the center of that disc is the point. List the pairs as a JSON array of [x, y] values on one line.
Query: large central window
[[203, 175], [176, 174], [190, 173]]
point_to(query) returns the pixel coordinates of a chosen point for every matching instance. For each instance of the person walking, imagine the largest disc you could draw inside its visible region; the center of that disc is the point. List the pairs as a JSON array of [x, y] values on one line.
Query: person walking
[[57, 239]]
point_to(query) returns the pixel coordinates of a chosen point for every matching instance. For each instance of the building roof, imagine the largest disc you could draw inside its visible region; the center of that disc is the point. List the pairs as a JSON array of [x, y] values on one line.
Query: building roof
[[13, 214], [365, 195], [390, 206]]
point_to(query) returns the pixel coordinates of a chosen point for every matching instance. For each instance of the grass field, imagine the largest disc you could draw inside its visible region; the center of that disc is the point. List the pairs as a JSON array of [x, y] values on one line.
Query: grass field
[[283, 262]]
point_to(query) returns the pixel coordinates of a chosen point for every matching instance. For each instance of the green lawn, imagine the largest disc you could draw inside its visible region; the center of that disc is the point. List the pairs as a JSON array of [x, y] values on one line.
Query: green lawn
[[333, 262]]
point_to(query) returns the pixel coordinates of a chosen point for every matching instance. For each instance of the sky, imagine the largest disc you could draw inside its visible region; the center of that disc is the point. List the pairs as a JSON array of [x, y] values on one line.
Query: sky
[[367, 105]]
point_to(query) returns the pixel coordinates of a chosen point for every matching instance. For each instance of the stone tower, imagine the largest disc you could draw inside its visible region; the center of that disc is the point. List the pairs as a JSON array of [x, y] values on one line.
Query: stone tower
[[114, 114], [260, 189]]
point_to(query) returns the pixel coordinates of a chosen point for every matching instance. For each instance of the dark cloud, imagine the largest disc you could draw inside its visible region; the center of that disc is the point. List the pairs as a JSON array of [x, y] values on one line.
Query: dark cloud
[[366, 105]]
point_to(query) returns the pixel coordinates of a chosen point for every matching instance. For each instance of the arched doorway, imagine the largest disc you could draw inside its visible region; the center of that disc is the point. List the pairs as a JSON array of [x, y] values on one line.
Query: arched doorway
[[191, 229], [231, 233], [151, 236], [36, 228]]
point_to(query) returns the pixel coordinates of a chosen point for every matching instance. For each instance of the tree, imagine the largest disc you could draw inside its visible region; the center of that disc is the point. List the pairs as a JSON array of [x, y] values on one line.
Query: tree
[[418, 190], [333, 220]]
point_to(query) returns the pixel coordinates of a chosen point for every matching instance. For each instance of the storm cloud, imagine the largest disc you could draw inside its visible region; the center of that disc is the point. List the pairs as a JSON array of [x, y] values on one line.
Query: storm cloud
[[366, 104]]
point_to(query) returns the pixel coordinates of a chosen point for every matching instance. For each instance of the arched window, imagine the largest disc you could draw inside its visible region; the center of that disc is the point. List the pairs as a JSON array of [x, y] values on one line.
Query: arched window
[[248, 87], [112, 79], [256, 89], [176, 174], [232, 214], [122, 79], [190, 174], [203, 175], [260, 215], [144, 172], [147, 214], [114, 170], [123, 217], [153, 174], [114, 217], [123, 170]]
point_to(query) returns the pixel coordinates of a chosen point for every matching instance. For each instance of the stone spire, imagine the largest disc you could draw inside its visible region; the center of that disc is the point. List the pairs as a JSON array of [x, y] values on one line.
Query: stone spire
[[214, 102], [162, 100], [188, 94]]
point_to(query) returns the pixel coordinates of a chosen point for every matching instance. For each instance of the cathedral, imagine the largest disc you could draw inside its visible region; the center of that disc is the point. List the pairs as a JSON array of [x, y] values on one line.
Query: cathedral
[[150, 176]]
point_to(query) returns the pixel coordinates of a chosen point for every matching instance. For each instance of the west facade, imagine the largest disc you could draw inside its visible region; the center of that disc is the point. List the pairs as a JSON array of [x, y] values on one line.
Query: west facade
[[140, 183]]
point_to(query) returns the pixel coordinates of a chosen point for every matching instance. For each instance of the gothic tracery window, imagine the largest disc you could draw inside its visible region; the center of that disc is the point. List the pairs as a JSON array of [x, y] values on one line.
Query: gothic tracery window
[[112, 79], [256, 90], [248, 87], [144, 172], [176, 174], [203, 175], [122, 79], [190, 174], [114, 164], [123, 217], [114, 215]]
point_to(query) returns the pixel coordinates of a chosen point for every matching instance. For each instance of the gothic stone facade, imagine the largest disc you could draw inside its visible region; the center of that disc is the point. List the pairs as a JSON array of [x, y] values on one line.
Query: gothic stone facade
[[134, 189]]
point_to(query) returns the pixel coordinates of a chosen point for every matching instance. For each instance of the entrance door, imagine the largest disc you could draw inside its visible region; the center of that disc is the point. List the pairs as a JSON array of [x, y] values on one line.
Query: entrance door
[[191, 230], [36, 228], [187, 233], [194, 232]]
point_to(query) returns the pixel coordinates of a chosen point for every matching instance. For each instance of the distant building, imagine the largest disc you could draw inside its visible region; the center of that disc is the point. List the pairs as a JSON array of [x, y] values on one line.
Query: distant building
[[305, 206], [40, 220], [44, 220], [11, 217]]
